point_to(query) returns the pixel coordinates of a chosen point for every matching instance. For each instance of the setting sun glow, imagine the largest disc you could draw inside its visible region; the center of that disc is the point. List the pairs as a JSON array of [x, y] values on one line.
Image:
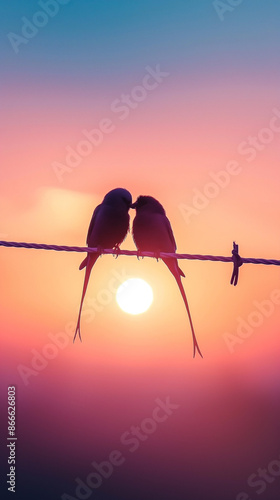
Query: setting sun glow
[[134, 296]]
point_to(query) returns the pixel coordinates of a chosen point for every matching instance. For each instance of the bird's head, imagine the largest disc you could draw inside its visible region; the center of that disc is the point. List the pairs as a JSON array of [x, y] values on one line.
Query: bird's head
[[118, 196], [149, 204]]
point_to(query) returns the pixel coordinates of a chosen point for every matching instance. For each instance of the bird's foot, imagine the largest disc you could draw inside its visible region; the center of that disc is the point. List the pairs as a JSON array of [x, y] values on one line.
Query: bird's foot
[[100, 250], [117, 250], [157, 255], [139, 254]]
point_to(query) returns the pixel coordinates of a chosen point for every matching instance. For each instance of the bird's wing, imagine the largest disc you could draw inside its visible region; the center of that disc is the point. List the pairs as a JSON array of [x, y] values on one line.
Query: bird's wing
[[92, 222], [90, 229], [170, 233], [172, 239]]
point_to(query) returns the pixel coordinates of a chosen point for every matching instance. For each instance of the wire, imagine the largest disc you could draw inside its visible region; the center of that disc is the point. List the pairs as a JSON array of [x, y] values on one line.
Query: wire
[[63, 248]]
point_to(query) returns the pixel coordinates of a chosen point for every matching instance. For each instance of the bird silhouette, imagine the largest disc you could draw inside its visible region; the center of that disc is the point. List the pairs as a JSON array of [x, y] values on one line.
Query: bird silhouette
[[152, 232], [107, 229]]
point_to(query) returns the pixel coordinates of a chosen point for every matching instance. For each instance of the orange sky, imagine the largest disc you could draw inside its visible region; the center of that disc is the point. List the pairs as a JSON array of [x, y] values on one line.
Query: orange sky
[[205, 143]]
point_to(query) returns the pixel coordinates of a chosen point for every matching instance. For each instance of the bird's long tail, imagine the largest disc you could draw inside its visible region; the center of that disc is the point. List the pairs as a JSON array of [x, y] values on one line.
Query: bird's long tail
[[177, 273], [90, 261]]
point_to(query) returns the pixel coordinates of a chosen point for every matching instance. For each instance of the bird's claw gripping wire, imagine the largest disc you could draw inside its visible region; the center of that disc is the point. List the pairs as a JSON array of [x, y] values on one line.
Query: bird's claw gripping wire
[[117, 251], [139, 254], [100, 250], [157, 255]]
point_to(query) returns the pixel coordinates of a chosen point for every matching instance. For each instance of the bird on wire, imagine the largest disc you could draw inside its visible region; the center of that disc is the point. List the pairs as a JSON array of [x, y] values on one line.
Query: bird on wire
[[152, 232], [108, 228]]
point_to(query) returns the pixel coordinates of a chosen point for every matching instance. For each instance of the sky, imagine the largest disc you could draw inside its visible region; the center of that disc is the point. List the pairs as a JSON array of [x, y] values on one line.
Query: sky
[[177, 100]]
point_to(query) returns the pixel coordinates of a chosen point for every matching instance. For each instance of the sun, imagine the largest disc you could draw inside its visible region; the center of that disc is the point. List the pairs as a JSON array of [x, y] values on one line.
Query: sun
[[134, 296]]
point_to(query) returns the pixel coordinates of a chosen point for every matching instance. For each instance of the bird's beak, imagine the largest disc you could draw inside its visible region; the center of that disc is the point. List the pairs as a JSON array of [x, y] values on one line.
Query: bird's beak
[[133, 205]]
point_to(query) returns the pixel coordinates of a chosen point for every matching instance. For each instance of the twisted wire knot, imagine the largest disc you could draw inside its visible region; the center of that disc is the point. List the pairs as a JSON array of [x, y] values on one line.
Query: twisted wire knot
[[237, 263]]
